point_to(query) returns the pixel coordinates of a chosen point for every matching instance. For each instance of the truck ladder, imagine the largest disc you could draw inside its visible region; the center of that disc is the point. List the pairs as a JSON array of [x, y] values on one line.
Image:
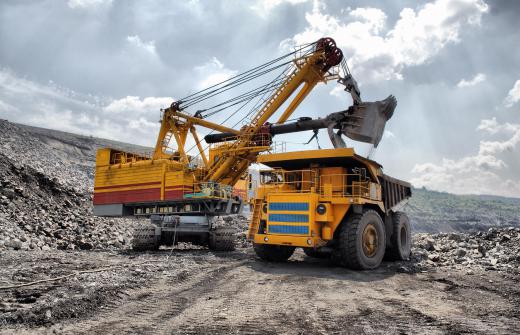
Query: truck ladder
[[255, 220]]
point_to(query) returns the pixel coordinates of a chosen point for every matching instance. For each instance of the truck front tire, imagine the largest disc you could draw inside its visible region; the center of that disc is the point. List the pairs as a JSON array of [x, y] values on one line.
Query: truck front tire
[[361, 241]]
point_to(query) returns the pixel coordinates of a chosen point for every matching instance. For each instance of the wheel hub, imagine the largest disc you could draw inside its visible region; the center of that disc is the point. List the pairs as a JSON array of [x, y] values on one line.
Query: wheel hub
[[370, 241]]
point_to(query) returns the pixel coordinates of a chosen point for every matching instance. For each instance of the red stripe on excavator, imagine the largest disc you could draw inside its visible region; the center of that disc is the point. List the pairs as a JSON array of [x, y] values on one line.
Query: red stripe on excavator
[[118, 197], [126, 185], [175, 187], [175, 194]]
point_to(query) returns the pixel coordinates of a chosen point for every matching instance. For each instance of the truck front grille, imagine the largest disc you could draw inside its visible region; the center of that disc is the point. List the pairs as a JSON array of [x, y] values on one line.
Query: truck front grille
[[288, 218], [284, 229]]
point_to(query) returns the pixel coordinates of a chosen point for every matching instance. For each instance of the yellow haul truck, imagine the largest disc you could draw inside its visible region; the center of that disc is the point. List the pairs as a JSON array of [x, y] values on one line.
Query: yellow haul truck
[[332, 203], [182, 192]]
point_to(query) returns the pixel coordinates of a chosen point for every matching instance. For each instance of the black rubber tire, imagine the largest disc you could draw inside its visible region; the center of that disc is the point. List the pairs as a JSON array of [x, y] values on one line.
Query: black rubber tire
[[401, 239], [144, 238], [222, 239], [349, 251], [273, 253], [311, 252]]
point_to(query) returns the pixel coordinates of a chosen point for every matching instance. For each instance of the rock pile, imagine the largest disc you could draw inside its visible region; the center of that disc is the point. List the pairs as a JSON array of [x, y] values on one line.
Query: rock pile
[[494, 249], [39, 213]]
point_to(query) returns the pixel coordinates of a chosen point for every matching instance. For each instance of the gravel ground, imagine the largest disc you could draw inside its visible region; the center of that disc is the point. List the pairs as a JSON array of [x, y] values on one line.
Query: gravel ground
[[194, 291]]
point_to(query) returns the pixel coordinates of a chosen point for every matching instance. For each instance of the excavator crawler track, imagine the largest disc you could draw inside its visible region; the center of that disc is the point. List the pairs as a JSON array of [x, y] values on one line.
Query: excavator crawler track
[[144, 238], [222, 239]]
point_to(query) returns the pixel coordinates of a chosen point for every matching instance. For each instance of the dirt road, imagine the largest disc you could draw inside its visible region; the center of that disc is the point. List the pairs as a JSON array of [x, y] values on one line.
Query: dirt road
[[198, 292]]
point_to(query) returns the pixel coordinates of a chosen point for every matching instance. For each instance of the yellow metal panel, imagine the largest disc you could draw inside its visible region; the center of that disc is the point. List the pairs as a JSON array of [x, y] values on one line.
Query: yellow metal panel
[[308, 154], [296, 241], [103, 157], [339, 211], [175, 178], [326, 233], [128, 175]]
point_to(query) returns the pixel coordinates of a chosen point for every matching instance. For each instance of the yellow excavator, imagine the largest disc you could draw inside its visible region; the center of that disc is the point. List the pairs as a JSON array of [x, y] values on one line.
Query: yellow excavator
[[332, 202]]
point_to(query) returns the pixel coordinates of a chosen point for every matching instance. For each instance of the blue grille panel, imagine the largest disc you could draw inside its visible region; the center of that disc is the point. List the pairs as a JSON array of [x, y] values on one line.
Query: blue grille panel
[[289, 217], [282, 229], [288, 206]]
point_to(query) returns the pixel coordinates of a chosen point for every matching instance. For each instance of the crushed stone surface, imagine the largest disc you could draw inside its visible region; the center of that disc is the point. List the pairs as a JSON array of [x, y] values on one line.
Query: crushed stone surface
[[454, 283]]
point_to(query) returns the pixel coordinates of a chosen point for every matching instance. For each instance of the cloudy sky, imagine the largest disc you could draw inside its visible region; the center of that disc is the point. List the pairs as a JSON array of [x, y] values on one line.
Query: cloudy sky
[[106, 67]]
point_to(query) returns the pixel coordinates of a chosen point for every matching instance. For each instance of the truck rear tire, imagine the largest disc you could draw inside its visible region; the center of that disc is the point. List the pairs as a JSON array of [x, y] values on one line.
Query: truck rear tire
[[401, 239], [273, 253], [361, 241], [222, 239], [144, 238]]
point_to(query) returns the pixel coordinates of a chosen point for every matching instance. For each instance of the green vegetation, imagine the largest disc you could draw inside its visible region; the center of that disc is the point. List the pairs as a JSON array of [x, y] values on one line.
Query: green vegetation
[[432, 211]]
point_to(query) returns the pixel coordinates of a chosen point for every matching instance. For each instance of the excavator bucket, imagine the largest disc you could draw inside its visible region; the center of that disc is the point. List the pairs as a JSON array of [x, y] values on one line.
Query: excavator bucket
[[365, 122]]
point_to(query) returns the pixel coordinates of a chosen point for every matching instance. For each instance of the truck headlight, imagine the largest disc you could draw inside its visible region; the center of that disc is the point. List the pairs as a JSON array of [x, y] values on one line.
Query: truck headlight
[[321, 209]]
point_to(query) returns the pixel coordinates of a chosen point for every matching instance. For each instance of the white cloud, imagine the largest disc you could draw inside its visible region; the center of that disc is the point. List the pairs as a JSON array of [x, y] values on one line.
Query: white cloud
[[513, 96], [88, 3], [479, 77], [387, 134], [375, 53], [495, 147], [130, 119], [493, 127], [264, 7], [136, 41], [212, 72], [5, 107], [136, 106], [338, 91], [374, 17], [482, 173]]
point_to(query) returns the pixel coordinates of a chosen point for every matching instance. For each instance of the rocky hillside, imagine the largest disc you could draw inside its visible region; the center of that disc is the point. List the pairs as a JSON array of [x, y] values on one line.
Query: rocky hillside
[[434, 212], [68, 158]]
